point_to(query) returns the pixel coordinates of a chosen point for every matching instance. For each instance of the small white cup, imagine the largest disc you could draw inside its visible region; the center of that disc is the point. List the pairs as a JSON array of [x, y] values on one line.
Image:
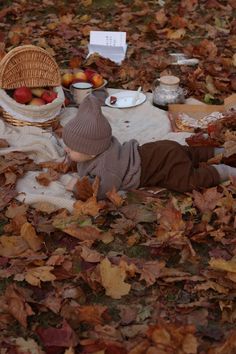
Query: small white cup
[[80, 90]]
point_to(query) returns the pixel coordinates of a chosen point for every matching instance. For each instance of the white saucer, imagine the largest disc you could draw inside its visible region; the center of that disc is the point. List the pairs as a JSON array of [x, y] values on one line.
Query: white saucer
[[125, 99]]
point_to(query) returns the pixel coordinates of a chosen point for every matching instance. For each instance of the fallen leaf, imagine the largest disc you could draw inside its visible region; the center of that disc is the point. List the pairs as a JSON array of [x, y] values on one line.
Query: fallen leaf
[[91, 314], [113, 280], [35, 275], [89, 207], [25, 346], [29, 235], [12, 246], [221, 264], [58, 337], [17, 305], [115, 198], [45, 178]]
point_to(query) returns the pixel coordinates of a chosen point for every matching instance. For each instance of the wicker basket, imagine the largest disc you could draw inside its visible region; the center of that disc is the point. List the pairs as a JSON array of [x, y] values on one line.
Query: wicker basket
[[50, 123], [30, 66]]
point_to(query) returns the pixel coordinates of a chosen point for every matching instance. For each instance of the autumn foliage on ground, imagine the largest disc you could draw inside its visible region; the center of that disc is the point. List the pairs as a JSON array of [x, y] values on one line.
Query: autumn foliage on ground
[[144, 274]]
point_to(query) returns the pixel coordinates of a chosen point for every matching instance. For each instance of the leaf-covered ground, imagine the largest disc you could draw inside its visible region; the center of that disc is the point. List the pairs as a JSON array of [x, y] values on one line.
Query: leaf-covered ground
[[148, 274]]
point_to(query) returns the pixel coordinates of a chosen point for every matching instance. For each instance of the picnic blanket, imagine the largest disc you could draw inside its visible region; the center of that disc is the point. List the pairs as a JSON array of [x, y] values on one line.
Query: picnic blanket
[[144, 123]]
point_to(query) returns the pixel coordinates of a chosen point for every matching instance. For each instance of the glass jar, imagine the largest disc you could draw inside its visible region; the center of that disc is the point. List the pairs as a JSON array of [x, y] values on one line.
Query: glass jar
[[166, 90]]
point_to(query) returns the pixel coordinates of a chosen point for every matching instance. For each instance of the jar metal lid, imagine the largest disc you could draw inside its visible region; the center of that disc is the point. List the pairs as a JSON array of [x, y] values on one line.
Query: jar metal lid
[[169, 80]]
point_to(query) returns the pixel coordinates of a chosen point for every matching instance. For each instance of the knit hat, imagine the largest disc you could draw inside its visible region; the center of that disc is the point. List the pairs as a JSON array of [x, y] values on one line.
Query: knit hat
[[89, 132]]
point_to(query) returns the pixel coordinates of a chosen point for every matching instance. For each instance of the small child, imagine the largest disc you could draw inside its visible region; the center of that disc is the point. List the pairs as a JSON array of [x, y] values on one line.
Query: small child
[[89, 142]]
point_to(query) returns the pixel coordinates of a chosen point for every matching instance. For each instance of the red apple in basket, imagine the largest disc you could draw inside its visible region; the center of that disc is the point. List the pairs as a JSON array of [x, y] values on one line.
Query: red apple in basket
[[22, 95], [49, 96], [37, 91], [97, 80], [36, 101]]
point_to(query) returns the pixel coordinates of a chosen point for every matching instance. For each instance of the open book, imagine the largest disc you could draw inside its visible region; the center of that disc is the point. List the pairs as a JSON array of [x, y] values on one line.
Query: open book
[[108, 44]]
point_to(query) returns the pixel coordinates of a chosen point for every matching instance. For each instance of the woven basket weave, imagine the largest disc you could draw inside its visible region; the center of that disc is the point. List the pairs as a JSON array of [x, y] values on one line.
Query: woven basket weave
[[50, 123], [30, 66]]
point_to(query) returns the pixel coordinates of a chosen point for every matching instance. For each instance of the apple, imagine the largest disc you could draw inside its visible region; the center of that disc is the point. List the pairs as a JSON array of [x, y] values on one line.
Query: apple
[[67, 79], [89, 73], [22, 95], [36, 101], [49, 96], [80, 76], [97, 80], [37, 91]]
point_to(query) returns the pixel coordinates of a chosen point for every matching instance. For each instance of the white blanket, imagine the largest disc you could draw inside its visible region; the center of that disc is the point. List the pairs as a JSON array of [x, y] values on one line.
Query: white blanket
[[144, 123]]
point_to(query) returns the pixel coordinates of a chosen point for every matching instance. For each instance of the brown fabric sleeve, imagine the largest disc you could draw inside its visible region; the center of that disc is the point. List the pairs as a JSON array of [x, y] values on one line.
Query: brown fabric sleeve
[[168, 164]]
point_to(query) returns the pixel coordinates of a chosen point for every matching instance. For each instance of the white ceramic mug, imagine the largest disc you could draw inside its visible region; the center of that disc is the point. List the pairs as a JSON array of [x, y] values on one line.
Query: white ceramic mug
[[80, 90]]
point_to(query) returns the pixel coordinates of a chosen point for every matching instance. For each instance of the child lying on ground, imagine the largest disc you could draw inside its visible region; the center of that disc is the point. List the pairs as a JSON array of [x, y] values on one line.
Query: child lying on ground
[[89, 142]]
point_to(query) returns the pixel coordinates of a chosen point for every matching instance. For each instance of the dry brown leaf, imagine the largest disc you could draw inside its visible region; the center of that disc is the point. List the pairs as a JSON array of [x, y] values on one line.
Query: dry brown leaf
[[113, 279], [29, 235], [17, 305], [211, 285], [90, 255], [83, 233], [25, 346], [115, 198], [91, 314], [45, 207], [61, 167], [221, 264], [45, 178], [16, 210], [161, 17], [207, 200], [35, 275], [177, 34], [90, 207], [12, 246], [83, 189]]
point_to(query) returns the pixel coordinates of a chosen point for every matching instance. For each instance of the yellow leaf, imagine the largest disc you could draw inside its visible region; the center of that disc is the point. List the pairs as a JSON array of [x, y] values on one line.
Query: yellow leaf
[[86, 2], [113, 280], [178, 34], [45, 207], [12, 246], [190, 344], [14, 210], [221, 264], [107, 237], [89, 207], [34, 276], [29, 235]]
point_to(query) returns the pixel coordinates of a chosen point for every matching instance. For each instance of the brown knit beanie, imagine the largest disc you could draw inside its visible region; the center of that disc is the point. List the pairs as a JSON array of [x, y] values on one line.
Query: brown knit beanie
[[89, 132]]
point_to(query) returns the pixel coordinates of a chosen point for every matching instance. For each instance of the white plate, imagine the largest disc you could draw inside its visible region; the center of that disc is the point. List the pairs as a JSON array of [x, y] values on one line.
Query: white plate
[[125, 99]]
